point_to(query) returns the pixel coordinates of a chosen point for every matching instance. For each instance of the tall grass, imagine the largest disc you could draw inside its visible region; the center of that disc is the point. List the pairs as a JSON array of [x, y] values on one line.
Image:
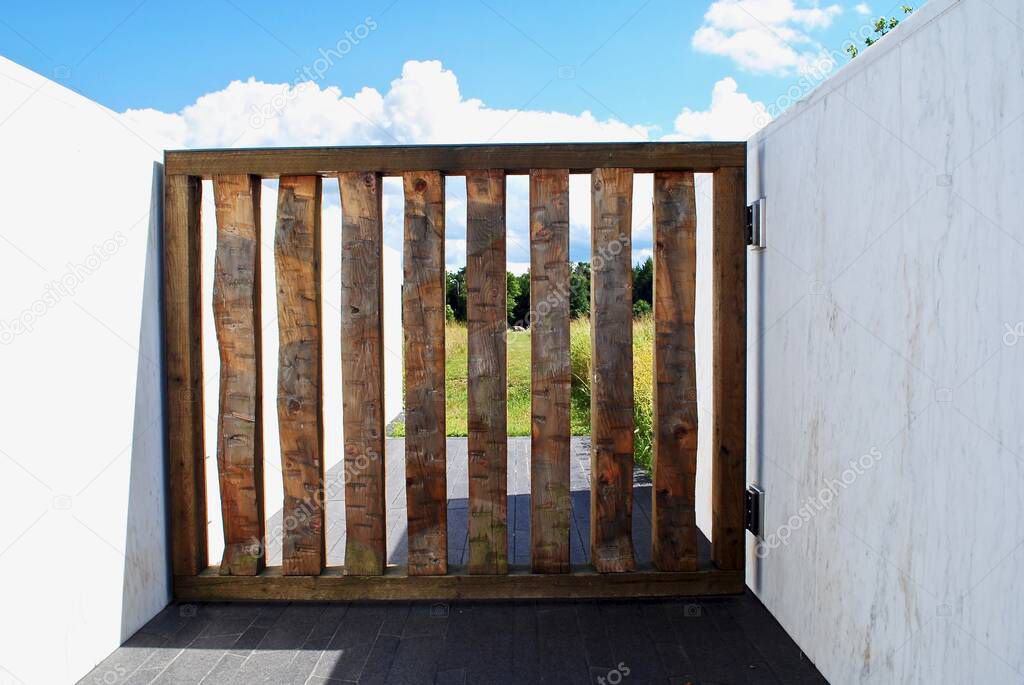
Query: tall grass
[[518, 343], [643, 383], [456, 383]]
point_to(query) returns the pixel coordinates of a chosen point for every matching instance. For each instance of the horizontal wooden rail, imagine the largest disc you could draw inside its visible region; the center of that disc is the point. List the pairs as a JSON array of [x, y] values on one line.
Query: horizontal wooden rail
[[395, 585], [578, 158]]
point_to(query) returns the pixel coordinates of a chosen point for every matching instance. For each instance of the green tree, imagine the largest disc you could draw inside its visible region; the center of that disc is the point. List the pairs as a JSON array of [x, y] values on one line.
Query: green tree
[[455, 295], [512, 293], [882, 26], [641, 308], [579, 290], [517, 292], [643, 283]]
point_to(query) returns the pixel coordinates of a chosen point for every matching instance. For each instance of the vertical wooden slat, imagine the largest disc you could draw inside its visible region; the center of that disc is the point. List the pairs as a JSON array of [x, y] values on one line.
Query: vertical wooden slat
[[551, 375], [673, 511], [729, 350], [184, 353], [423, 309], [236, 310], [611, 394], [487, 420], [300, 374], [362, 370]]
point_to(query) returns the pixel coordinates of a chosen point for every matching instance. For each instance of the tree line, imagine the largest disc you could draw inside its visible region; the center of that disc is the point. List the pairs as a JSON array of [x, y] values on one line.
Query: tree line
[[518, 293]]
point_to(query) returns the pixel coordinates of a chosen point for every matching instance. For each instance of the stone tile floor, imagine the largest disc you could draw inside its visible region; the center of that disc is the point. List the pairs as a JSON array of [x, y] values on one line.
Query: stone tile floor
[[518, 467], [711, 640]]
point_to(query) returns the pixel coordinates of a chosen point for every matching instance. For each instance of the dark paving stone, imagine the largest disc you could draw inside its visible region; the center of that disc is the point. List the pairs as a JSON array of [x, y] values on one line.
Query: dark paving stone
[[632, 644], [394, 619], [378, 663], [191, 666], [562, 657], [415, 661], [268, 615], [711, 640], [225, 671], [349, 649], [674, 661], [456, 676], [526, 646], [427, 620], [596, 645], [248, 641]]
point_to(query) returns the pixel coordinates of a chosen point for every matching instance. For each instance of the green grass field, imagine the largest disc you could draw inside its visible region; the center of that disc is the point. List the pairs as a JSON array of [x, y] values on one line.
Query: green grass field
[[456, 366]]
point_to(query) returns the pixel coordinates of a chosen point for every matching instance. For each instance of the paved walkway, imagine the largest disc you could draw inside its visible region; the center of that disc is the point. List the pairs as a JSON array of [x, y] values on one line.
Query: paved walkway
[[458, 506], [722, 640]]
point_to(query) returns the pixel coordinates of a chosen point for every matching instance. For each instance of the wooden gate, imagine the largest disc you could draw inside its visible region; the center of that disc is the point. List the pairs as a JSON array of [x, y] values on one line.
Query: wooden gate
[[679, 568]]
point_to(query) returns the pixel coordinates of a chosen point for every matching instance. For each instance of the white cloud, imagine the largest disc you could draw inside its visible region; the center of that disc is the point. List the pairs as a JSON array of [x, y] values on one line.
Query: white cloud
[[731, 116], [765, 36], [425, 105], [862, 9]]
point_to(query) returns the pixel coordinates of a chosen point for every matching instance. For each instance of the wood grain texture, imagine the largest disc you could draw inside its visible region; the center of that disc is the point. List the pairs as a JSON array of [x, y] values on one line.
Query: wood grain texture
[[423, 309], [362, 356], [300, 373], [393, 160], [729, 343], [673, 505], [184, 356], [332, 586], [550, 512], [487, 405], [236, 311], [611, 392]]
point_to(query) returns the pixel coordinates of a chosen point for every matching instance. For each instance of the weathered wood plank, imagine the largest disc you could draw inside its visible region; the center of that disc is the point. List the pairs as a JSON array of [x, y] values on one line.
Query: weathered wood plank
[[729, 354], [394, 586], [236, 311], [611, 393], [362, 354], [457, 159], [487, 405], [300, 373], [550, 520], [673, 505], [423, 308], [184, 350]]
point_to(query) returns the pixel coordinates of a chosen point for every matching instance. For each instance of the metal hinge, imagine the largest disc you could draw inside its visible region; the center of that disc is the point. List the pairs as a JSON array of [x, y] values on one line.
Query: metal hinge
[[754, 510], [755, 225]]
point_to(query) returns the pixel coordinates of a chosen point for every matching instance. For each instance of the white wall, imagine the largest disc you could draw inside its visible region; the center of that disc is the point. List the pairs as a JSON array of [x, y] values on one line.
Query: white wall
[[893, 268], [83, 560]]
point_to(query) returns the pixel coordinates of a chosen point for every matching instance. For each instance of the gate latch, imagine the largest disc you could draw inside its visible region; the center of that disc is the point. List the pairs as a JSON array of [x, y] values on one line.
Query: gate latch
[[755, 225], [754, 510]]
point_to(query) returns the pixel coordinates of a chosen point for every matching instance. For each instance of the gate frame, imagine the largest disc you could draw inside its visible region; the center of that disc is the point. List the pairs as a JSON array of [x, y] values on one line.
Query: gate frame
[[194, 579]]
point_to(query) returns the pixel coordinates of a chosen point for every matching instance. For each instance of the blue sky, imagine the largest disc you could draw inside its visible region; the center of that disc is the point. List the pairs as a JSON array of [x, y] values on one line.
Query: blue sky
[[631, 60], [223, 73]]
